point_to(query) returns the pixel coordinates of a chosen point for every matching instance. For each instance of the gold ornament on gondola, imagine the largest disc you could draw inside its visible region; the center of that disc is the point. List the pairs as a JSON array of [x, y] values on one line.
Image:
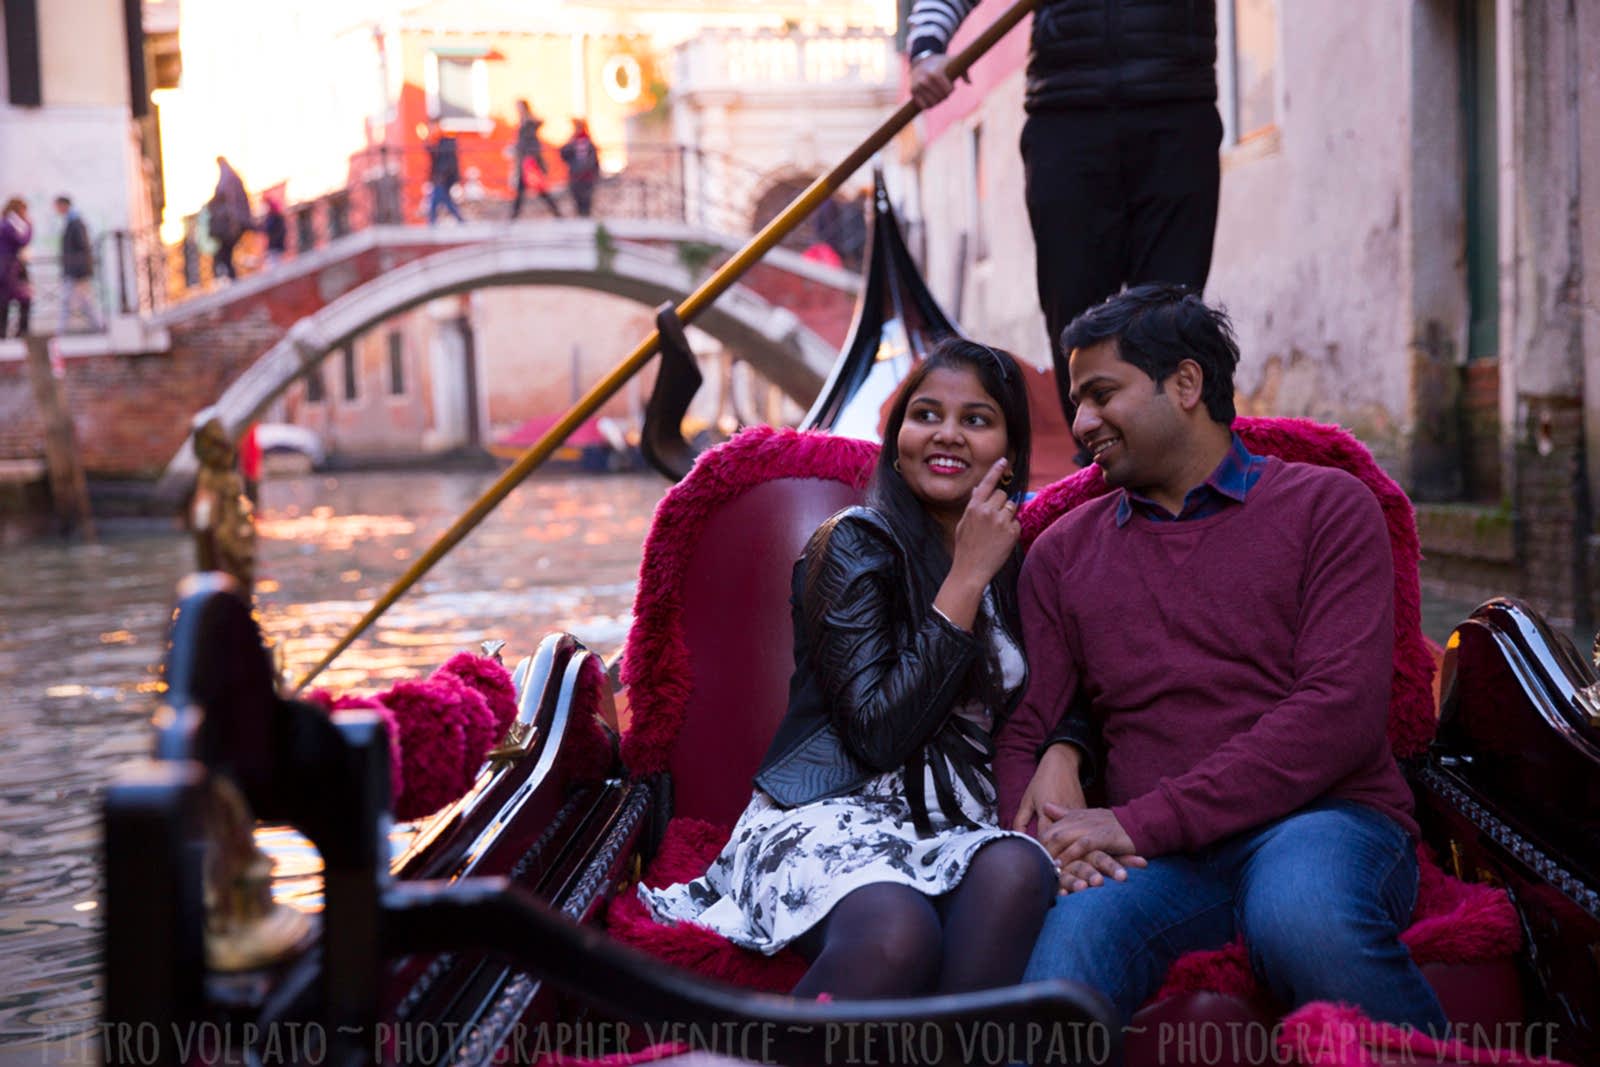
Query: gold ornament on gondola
[[245, 927], [221, 515]]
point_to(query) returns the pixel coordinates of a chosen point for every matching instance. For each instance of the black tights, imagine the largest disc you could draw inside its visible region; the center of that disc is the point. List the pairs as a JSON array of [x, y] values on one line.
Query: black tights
[[889, 940]]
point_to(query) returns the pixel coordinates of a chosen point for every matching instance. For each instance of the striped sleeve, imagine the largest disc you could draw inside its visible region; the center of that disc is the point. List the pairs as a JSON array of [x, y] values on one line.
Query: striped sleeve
[[932, 23]]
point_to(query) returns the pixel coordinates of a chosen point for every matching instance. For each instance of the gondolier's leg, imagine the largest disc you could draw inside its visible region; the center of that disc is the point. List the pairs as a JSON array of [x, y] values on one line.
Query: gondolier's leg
[[1118, 196], [1075, 206], [1176, 176]]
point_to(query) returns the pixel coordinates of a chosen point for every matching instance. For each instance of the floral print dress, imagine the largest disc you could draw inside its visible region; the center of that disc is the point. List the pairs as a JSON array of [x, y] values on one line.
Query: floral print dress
[[784, 869]]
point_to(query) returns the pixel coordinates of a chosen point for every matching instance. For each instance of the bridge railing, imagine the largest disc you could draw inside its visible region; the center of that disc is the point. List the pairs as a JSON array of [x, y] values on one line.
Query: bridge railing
[[126, 277], [388, 186]]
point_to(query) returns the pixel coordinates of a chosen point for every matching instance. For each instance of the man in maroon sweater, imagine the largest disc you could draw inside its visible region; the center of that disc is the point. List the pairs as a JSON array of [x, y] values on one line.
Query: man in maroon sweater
[[1227, 622]]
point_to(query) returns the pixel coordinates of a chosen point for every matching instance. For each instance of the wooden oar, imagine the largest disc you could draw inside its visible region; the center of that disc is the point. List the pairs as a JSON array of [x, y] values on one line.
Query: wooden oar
[[692, 305]]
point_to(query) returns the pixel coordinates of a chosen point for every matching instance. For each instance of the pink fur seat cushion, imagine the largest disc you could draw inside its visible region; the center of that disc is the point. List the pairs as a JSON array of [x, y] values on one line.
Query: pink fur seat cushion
[[1454, 922]]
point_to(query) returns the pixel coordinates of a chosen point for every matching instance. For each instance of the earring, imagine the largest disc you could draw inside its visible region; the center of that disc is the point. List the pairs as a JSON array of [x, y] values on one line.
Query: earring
[[897, 466], [1007, 477]]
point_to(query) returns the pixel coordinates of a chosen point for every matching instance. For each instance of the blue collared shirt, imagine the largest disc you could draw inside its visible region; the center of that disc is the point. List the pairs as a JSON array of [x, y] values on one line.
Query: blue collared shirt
[[1232, 480]]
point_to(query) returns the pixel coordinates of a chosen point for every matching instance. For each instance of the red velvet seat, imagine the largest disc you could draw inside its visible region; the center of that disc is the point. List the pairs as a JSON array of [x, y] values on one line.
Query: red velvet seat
[[708, 662]]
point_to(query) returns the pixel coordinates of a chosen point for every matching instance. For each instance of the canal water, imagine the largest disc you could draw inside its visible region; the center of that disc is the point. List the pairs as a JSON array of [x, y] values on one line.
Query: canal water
[[81, 631]]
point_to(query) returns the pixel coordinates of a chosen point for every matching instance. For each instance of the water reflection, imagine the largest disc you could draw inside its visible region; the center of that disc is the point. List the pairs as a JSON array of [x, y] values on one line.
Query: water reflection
[[81, 630]]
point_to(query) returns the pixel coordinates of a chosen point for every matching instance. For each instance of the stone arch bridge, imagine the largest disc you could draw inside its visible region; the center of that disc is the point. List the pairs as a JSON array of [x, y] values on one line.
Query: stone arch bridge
[[239, 347]]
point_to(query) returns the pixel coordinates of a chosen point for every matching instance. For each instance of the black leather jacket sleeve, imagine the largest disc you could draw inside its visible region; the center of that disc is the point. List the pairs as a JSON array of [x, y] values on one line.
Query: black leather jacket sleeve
[[889, 680], [1077, 729]]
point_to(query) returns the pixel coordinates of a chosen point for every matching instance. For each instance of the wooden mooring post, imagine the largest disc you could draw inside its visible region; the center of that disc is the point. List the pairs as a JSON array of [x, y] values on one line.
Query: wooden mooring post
[[69, 493]]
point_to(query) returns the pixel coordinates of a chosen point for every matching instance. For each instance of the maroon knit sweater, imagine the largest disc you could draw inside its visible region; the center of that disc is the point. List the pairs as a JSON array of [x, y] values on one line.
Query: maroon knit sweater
[[1239, 664]]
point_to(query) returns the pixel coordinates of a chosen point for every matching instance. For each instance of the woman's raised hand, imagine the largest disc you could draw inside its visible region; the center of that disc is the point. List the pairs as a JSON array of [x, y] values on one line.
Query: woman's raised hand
[[988, 531], [985, 537]]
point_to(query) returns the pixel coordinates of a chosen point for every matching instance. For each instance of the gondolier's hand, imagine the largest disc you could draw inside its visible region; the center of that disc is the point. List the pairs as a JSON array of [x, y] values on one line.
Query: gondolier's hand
[[986, 536], [929, 84]]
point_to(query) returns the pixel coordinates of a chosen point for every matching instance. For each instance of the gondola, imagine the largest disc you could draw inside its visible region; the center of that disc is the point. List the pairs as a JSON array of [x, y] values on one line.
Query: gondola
[[503, 928]]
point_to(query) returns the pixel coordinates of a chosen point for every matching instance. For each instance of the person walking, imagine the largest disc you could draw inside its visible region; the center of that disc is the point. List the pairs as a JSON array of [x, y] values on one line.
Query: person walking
[[228, 218], [444, 171], [77, 269], [532, 173], [583, 167], [1119, 149], [275, 227], [15, 233]]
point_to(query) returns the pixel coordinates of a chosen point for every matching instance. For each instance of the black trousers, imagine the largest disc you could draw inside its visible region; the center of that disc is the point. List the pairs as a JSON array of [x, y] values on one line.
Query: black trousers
[[1118, 196]]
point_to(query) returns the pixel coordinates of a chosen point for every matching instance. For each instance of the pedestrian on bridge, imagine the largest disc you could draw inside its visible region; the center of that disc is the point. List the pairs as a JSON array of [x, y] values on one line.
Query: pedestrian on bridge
[[227, 218], [15, 232], [77, 269], [583, 167], [532, 173], [275, 226], [444, 171]]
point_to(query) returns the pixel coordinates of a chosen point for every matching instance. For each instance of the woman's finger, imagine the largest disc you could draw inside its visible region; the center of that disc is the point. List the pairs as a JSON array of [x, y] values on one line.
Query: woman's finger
[[991, 480]]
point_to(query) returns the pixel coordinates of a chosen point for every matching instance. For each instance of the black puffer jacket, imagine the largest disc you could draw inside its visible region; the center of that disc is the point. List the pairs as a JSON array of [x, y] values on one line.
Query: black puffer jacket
[[873, 684], [1097, 53]]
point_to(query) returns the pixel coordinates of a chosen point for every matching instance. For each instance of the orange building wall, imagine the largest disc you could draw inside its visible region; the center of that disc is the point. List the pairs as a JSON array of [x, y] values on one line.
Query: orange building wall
[[540, 68]]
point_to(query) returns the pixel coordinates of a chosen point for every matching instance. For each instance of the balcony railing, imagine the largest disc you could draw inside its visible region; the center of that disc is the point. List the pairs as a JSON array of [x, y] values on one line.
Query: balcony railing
[[779, 61]]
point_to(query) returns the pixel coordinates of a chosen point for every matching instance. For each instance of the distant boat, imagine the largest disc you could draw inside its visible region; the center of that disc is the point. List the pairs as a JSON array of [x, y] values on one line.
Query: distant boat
[[600, 443]]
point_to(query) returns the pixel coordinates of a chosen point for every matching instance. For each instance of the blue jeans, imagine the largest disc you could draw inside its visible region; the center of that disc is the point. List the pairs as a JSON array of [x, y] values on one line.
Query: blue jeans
[[1321, 897], [439, 197]]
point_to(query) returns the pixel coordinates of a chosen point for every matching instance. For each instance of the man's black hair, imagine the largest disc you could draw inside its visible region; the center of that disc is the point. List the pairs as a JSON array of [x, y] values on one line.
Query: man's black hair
[[1158, 326]]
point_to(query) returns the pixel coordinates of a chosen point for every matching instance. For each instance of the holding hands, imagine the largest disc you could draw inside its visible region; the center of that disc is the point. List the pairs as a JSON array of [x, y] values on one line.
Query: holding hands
[[1088, 844]]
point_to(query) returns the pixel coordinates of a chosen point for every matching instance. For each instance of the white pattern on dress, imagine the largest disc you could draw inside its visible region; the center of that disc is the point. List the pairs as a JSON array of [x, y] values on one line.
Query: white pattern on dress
[[784, 869]]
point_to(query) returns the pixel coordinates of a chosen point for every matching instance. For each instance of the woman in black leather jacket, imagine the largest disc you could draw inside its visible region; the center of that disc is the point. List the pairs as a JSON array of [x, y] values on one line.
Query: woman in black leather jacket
[[870, 843]]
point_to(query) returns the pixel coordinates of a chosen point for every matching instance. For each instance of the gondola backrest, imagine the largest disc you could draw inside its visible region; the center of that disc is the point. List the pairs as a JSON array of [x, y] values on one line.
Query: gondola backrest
[[708, 660]]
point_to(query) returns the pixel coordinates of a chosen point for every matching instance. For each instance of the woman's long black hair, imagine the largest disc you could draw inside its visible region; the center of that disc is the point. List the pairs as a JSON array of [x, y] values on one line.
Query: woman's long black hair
[[1000, 376]]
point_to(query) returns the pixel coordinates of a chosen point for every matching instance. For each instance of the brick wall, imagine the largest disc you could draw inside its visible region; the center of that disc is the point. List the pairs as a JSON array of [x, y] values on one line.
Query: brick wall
[[1480, 397]]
